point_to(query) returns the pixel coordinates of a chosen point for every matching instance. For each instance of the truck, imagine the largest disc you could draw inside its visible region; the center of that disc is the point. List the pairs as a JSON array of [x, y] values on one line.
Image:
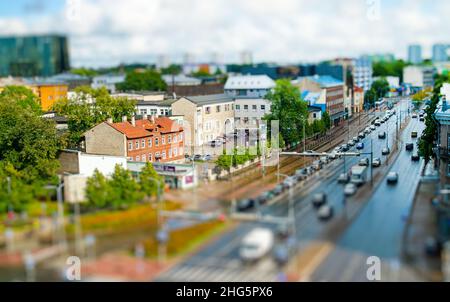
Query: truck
[[358, 175]]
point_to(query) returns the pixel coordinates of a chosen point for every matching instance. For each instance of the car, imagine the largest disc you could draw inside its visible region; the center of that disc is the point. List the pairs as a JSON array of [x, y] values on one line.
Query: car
[[324, 160], [283, 251], [377, 123], [414, 115], [344, 148], [432, 247], [325, 212], [332, 155], [351, 143], [367, 131], [361, 135], [415, 157], [422, 119], [382, 135], [385, 151], [355, 139], [197, 157], [376, 162], [409, 147], [319, 199], [256, 244], [392, 178], [288, 182], [360, 146], [382, 121], [206, 157], [343, 178], [216, 143], [414, 134], [245, 205], [317, 165], [283, 230], [373, 127], [364, 162], [350, 189], [278, 190], [309, 151], [337, 149]]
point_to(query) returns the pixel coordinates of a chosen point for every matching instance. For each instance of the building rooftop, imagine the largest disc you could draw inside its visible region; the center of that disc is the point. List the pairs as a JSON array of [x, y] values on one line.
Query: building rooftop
[[210, 99], [325, 81], [181, 79], [250, 82], [146, 127]]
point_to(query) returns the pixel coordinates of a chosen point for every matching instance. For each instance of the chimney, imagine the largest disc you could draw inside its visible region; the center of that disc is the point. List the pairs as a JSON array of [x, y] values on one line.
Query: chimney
[[133, 121], [109, 120], [124, 118]]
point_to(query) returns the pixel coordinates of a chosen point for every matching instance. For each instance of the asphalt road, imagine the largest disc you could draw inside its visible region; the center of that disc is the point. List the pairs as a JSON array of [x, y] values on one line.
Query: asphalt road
[[378, 230], [219, 260]]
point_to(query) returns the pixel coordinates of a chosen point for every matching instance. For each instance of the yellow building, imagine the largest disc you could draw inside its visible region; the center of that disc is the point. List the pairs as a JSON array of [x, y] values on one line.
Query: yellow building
[[49, 93]]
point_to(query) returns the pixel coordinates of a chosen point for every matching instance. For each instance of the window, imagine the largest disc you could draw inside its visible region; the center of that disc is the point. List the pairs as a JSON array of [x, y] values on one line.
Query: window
[[208, 110], [164, 155], [138, 158], [245, 107], [263, 107], [227, 107], [169, 139], [238, 107], [143, 143], [175, 152], [218, 108], [137, 145], [130, 146], [143, 158], [153, 111], [150, 157], [143, 111], [163, 140], [181, 137], [254, 108], [170, 153], [156, 141], [130, 158], [175, 138], [149, 142], [157, 156]]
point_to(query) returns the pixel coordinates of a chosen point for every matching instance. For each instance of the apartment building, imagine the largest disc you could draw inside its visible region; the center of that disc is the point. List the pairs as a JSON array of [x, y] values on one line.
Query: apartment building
[[205, 117], [150, 139], [419, 76]]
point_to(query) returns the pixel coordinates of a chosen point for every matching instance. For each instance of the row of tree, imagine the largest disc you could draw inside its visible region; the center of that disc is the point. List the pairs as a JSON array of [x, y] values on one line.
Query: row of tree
[[378, 90], [122, 190]]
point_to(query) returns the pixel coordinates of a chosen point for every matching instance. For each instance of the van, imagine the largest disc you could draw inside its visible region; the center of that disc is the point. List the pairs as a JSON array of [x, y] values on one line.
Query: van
[[256, 244]]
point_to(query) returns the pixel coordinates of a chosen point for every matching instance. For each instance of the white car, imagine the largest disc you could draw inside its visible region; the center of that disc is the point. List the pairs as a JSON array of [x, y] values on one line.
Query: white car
[[373, 127], [325, 212], [350, 189], [392, 178], [256, 244], [376, 162]]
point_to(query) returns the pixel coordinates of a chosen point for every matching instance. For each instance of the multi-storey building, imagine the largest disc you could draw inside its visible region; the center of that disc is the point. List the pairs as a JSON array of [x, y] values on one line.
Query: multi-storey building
[[207, 117], [332, 90], [415, 54], [362, 73], [419, 76], [150, 139], [31, 56], [440, 52], [250, 103], [442, 116], [108, 81]]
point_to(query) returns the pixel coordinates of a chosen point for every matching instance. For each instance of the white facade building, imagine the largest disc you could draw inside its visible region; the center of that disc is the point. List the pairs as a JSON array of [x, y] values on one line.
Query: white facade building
[[249, 93], [107, 81], [419, 76]]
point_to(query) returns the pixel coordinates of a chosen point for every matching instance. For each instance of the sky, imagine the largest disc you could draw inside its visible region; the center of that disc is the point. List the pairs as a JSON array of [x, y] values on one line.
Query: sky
[[109, 32]]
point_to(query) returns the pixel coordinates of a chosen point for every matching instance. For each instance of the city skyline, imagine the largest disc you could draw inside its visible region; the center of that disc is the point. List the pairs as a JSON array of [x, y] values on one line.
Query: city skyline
[[102, 35]]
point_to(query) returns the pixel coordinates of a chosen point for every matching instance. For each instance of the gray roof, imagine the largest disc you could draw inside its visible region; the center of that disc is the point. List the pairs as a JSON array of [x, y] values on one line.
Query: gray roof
[[157, 103], [210, 99]]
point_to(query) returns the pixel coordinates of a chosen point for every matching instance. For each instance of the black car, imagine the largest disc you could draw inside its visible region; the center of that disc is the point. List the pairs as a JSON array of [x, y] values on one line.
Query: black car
[[382, 135], [409, 147], [319, 200], [245, 205], [415, 157]]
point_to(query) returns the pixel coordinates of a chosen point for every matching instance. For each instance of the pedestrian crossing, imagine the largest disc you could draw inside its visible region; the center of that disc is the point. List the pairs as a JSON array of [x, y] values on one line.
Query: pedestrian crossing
[[221, 270]]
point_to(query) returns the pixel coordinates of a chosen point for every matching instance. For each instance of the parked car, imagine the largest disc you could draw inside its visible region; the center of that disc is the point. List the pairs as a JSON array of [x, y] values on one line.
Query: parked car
[[245, 205], [350, 189], [414, 134], [422, 119], [355, 139], [343, 178], [344, 148], [373, 127], [360, 146], [351, 143], [382, 135], [376, 162], [256, 244], [317, 165], [364, 162], [415, 157], [332, 155], [361, 135], [325, 212], [282, 252], [377, 123], [278, 190], [324, 160], [414, 115], [319, 199], [392, 178], [409, 147], [367, 131], [385, 151]]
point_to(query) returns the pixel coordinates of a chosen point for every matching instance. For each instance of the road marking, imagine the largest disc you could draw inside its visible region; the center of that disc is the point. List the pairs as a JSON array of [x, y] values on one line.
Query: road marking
[[311, 258]]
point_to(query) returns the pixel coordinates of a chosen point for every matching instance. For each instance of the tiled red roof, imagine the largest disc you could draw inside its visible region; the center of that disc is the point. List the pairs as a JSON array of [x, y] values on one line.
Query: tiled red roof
[[145, 128], [358, 89]]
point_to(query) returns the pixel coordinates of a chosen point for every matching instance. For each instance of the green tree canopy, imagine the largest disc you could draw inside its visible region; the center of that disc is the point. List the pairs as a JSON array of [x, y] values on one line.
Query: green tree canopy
[[22, 96], [172, 69], [288, 108], [149, 181], [389, 68], [149, 80]]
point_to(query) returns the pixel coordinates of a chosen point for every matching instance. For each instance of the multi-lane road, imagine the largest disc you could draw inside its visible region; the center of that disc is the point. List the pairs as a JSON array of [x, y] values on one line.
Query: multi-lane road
[[219, 260]]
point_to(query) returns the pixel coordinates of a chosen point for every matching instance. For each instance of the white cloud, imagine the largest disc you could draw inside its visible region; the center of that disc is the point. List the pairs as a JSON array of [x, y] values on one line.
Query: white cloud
[[111, 31]]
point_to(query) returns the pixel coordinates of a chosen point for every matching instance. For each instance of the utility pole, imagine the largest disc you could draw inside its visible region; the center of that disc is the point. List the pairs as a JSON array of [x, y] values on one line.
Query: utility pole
[[371, 162]]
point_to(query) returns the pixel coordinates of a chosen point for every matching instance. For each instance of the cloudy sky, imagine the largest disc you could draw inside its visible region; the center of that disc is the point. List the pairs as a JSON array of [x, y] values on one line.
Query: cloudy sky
[[106, 32]]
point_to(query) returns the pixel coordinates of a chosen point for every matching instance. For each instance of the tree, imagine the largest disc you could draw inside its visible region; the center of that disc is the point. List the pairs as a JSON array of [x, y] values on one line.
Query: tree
[[28, 142], [149, 80], [370, 97], [326, 120], [90, 107], [389, 68], [23, 96], [125, 191], [381, 87], [172, 69], [201, 74], [288, 108], [86, 72], [150, 181], [98, 190]]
